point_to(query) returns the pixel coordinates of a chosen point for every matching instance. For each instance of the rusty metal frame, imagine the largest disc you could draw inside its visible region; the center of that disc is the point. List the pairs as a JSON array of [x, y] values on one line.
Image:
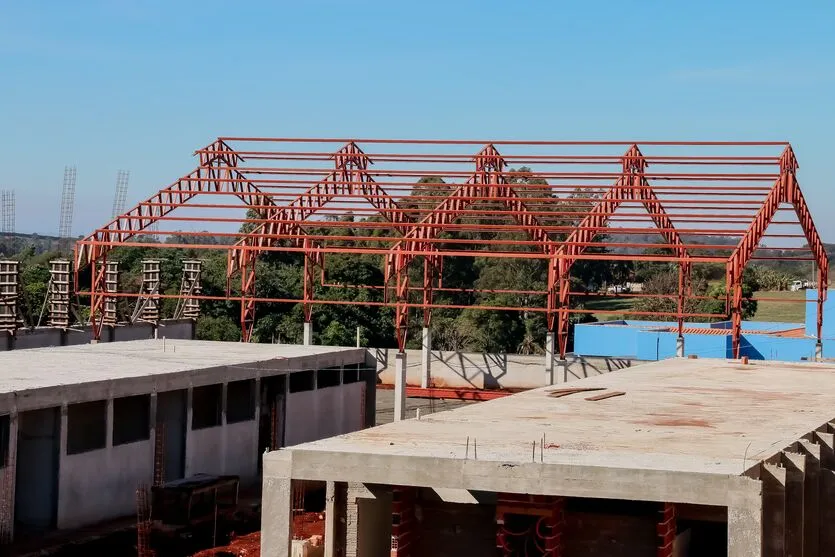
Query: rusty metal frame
[[695, 191]]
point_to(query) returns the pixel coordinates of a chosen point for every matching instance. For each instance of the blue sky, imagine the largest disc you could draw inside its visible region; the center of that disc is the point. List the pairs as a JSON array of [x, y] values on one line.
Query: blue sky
[[138, 85]]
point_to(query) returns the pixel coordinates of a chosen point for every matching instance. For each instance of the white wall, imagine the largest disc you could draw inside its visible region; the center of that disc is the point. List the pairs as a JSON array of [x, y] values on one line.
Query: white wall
[[101, 485], [314, 415], [489, 371], [232, 449]]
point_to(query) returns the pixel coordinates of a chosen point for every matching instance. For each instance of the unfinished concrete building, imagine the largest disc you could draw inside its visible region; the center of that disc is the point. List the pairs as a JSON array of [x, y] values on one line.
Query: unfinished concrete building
[[684, 457], [83, 426]]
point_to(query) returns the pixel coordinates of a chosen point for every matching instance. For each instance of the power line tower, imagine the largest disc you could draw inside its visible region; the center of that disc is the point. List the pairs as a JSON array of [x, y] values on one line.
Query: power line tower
[[121, 192], [7, 216], [67, 203]]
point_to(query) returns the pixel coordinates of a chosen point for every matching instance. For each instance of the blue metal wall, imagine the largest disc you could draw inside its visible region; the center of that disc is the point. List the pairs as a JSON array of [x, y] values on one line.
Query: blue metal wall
[[828, 315], [643, 343]]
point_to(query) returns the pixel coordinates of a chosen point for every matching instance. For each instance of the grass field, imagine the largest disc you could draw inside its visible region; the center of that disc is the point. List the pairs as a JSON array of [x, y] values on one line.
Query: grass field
[[788, 312], [781, 311], [610, 304]]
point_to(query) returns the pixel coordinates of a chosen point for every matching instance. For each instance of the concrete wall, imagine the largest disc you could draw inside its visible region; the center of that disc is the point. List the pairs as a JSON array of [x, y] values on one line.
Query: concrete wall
[[224, 449], [322, 413], [49, 336], [489, 371], [99, 485]]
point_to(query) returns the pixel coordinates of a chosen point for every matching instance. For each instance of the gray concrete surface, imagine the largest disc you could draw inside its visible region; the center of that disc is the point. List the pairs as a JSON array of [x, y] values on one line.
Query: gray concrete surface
[[698, 432], [24, 339], [41, 387], [46, 377]]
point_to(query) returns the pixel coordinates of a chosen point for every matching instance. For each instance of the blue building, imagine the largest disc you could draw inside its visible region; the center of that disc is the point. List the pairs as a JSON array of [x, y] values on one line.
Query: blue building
[[656, 340]]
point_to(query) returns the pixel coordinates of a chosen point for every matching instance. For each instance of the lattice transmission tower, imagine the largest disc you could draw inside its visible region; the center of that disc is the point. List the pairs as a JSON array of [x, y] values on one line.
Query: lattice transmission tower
[[7, 211], [121, 192], [7, 218], [67, 203]]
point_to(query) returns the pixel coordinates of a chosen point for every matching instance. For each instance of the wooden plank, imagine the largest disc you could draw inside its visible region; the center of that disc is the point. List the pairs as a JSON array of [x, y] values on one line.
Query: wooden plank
[[604, 396], [557, 393]]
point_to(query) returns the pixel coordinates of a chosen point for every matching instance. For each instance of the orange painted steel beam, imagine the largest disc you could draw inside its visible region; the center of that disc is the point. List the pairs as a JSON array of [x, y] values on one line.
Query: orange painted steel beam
[[320, 197], [451, 393]]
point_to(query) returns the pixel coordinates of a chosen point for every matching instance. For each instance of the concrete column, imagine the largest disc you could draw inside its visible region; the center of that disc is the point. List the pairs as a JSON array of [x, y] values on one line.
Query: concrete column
[[818, 351], [256, 423], [369, 373], [335, 519], [827, 512], [152, 419], [400, 386], [811, 498], [358, 336], [276, 517], [795, 465], [352, 519], [109, 423], [679, 347], [773, 479], [561, 371], [62, 435], [189, 413], [550, 346], [9, 481], [308, 333], [426, 358], [745, 530], [224, 443]]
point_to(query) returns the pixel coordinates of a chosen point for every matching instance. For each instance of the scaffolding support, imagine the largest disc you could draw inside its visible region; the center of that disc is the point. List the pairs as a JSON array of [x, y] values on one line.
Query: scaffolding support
[[188, 306], [111, 285], [59, 294], [147, 307], [9, 294]]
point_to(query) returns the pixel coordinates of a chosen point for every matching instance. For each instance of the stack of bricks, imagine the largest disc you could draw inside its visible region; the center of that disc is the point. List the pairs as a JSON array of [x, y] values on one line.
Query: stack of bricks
[[666, 530], [403, 522]]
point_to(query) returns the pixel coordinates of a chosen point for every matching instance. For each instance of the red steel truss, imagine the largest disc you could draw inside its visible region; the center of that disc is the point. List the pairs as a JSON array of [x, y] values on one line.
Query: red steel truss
[[562, 201]]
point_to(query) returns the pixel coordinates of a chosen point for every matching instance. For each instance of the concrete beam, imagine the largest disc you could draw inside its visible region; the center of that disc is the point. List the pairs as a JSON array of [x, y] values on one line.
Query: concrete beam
[[773, 478], [426, 358], [307, 333], [276, 503], [496, 476], [795, 465], [400, 386]]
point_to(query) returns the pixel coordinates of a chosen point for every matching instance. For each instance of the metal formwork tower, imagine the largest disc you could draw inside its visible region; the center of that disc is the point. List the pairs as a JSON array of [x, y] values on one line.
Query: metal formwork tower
[[111, 284], [67, 203], [59, 293], [9, 292], [188, 307], [148, 307]]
